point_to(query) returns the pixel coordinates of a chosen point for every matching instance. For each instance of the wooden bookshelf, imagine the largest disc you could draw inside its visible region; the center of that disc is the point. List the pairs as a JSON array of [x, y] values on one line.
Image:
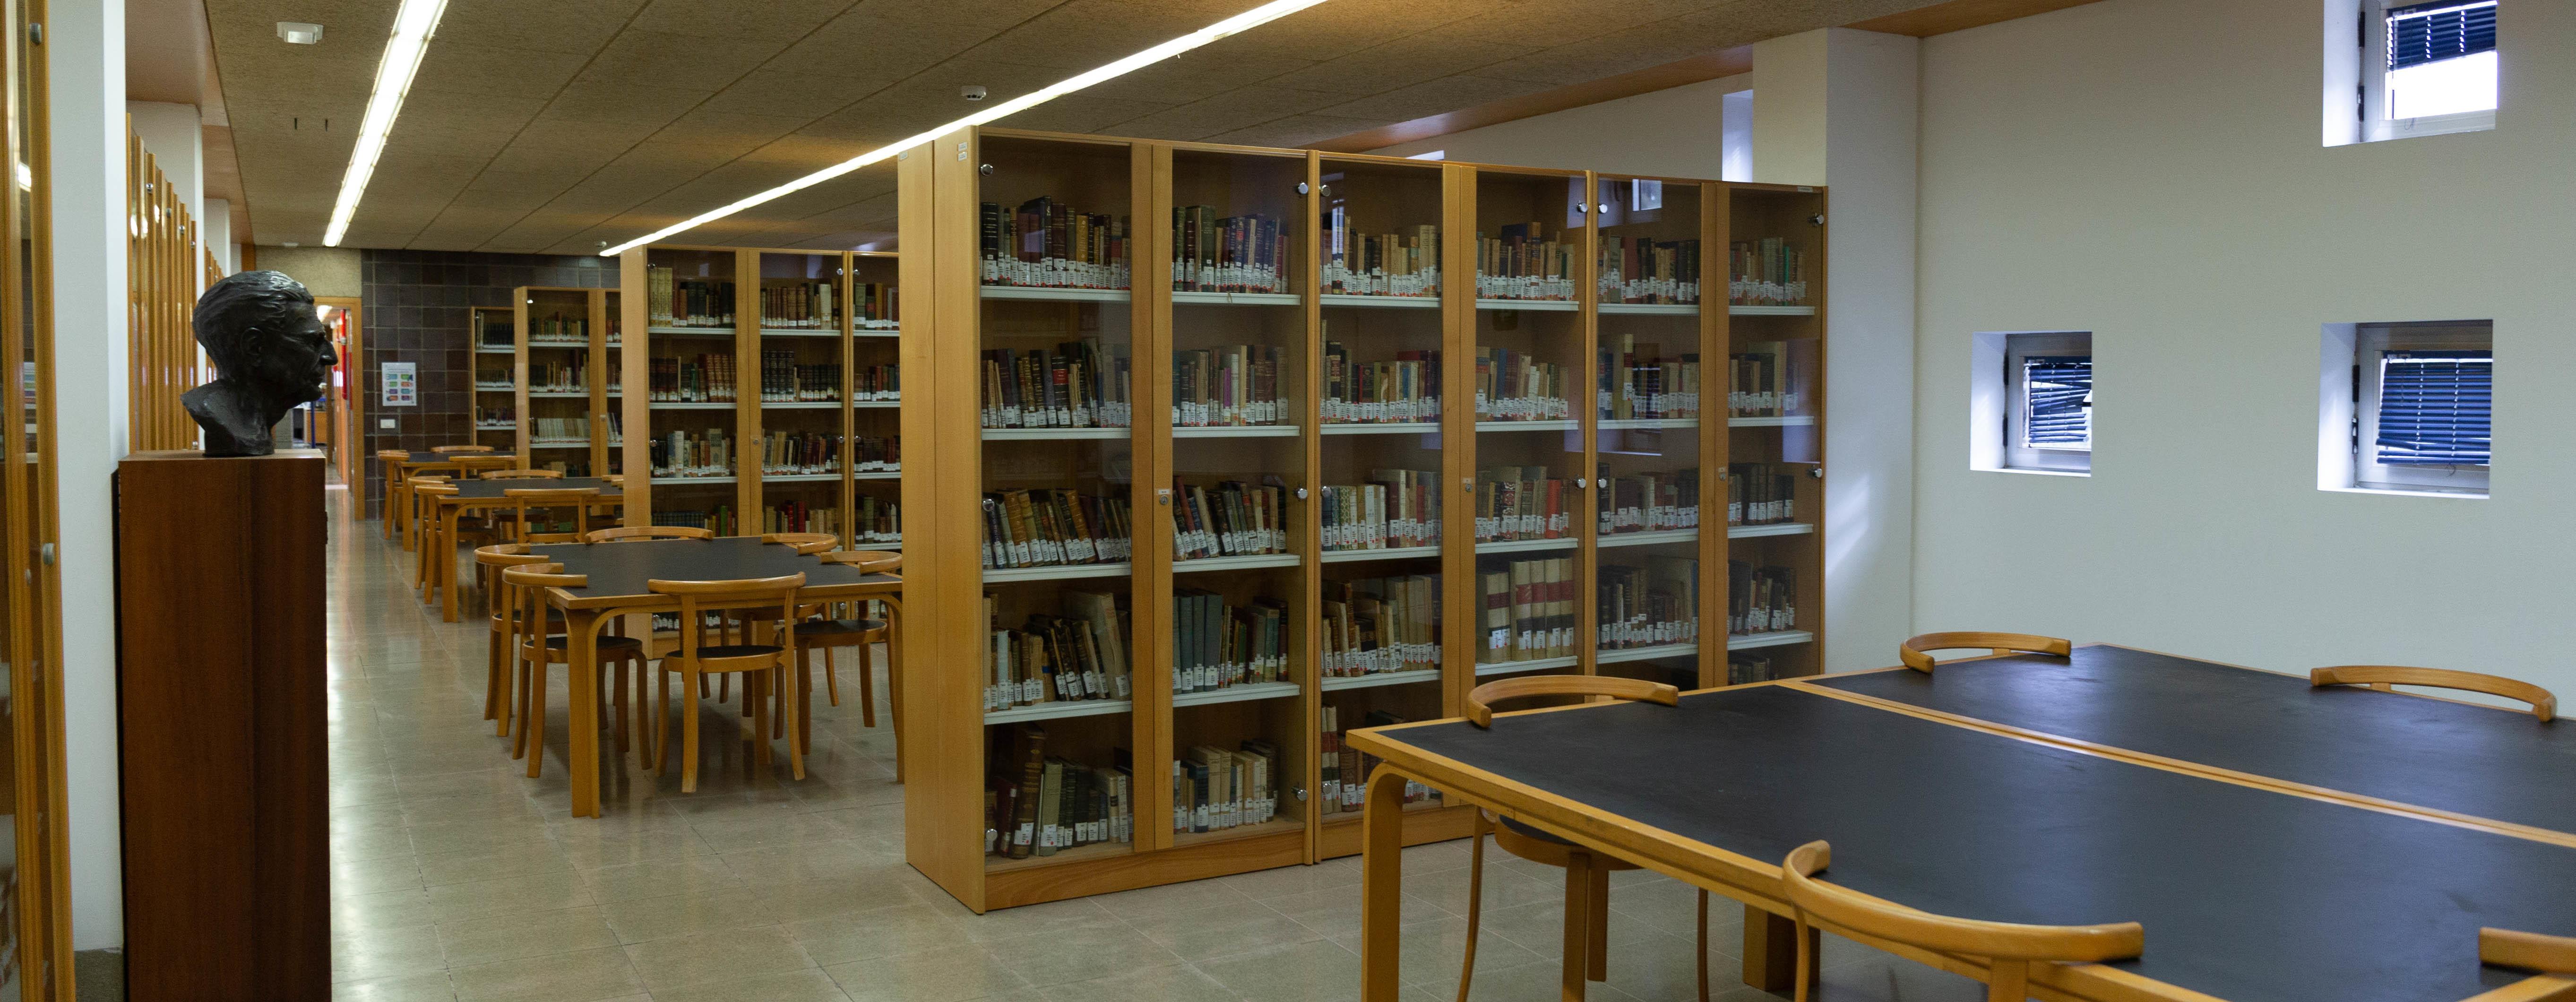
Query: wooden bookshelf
[[566, 377], [500, 378], [1367, 293]]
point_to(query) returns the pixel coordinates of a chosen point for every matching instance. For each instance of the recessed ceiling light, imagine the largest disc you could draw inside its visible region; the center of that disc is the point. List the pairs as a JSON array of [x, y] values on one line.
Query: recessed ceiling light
[[1245, 21], [299, 33], [290, 243], [413, 24]]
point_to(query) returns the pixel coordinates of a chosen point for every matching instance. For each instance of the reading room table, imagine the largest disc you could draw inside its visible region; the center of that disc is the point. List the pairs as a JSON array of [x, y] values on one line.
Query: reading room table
[[2278, 842], [478, 493], [615, 577]]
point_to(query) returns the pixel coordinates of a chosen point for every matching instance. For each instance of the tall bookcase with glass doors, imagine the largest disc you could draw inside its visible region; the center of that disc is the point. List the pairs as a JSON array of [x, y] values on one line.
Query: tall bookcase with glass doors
[[1223, 451]]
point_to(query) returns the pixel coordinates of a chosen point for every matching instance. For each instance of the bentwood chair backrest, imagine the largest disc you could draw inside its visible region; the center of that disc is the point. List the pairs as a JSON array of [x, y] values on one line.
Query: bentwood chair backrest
[[641, 533], [2384, 677], [1481, 699], [2008, 948], [1915, 650], [806, 543]]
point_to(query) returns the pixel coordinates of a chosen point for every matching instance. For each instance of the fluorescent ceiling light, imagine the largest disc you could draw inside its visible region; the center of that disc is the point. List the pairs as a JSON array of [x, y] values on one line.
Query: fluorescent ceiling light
[[413, 24], [1245, 21]]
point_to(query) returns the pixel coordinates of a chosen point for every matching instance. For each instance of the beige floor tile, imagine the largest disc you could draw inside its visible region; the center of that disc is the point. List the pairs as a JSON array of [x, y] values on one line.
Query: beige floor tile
[[585, 976], [430, 986], [1315, 971], [381, 952], [381, 911], [1147, 902], [469, 942], [1176, 983], [716, 957], [881, 932], [1336, 911], [1011, 923], [1224, 930], [660, 878], [646, 919], [515, 860], [810, 985], [535, 892], [953, 974], [352, 877], [1080, 954], [1287, 880], [1433, 950]]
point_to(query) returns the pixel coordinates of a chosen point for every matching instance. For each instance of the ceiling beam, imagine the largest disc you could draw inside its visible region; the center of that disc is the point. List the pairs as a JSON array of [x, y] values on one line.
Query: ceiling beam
[[1959, 15], [1722, 63]]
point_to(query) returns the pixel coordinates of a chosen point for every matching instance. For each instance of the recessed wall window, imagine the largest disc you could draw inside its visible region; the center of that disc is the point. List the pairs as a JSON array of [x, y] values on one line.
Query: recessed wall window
[[2414, 408], [2031, 402], [2424, 68]]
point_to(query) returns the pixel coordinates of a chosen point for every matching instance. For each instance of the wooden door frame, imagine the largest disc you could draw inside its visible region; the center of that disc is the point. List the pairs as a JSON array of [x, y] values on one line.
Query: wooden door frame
[[349, 412]]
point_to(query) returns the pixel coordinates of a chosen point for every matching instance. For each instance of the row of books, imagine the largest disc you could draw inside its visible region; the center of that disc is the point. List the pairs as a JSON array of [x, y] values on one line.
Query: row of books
[[1235, 384], [1761, 493], [1650, 502], [782, 380], [719, 520], [1214, 789], [1637, 382], [802, 452], [1520, 262], [1749, 667], [1396, 509], [559, 429], [875, 521], [877, 382], [673, 301], [1080, 655], [1766, 272], [1215, 645], [1051, 245], [1046, 528], [1230, 519], [707, 377], [1405, 263], [1760, 599], [496, 415], [1523, 502], [798, 516], [1649, 605], [492, 330], [800, 304], [687, 454], [1404, 390], [1529, 609], [1227, 254], [558, 329], [1377, 625], [1516, 386], [876, 302], [1053, 803], [1080, 384], [1765, 383], [558, 376], [1346, 770], [1646, 270], [491, 379]]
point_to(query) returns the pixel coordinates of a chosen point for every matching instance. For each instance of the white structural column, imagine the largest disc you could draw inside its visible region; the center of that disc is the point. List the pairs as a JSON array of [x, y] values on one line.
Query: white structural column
[[85, 53]]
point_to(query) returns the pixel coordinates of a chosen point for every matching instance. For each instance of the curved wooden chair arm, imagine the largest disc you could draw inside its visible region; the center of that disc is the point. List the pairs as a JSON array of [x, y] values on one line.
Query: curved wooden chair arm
[[1912, 651], [2543, 704], [506, 474], [2528, 950], [743, 586], [550, 495], [626, 532], [1481, 699], [806, 543], [868, 561], [2003, 940], [449, 450], [506, 555], [439, 488], [393, 455], [546, 575]]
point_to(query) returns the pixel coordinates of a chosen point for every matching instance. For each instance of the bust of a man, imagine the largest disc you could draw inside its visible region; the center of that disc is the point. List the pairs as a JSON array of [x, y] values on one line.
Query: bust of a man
[[271, 353]]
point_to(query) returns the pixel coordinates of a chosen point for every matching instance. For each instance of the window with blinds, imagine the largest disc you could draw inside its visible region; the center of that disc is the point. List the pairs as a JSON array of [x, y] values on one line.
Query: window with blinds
[[2437, 67], [2048, 386], [2434, 408], [2431, 32]]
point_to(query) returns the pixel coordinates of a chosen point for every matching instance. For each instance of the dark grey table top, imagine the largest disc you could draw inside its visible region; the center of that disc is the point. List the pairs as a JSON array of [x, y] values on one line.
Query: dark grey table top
[[621, 570], [479, 489]]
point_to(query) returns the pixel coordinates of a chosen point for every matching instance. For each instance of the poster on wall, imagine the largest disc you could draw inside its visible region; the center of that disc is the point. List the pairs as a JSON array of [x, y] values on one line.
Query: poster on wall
[[402, 384]]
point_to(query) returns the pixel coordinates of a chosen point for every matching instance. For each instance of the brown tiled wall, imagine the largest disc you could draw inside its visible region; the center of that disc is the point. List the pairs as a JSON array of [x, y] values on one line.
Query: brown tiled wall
[[415, 310]]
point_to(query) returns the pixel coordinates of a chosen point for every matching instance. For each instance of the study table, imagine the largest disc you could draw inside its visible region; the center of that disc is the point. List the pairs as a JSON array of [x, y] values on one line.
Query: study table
[[2278, 843], [615, 584], [481, 493]]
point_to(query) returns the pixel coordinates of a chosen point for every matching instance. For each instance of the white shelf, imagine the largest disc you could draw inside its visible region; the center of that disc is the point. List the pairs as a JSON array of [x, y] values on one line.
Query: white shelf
[[1058, 295], [1516, 667], [800, 332], [1551, 305], [877, 475], [1381, 678], [1799, 420], [1236, 563], [559, 445], [693, 480], [1771, 311], [690, 405], [800, 405], [1769, 529], [1058, 571], [1649, 538], [1554, 424], [1658, 309], [1237, 299], [691, 331], [872, 404], [1393, 553], [1525, 545], [1059, 710], [1776, 638], [1239, 431], [1391, 302], [496, 427], [1615, 424], [1611, 656], [583, 345], [489, 388], [800, 478], [1239, 693], [559, 394], [866, 545], [485, 349], [876, 332], [1052, 434], [1389, 428]]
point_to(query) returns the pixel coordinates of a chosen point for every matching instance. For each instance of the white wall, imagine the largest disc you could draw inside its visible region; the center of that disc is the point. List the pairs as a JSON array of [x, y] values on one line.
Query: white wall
[[2150, 170], [175, 136], [85, 46], [1676, 132]]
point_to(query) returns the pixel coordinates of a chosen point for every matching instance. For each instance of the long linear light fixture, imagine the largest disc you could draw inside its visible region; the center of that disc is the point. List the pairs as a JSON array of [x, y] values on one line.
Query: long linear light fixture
[[1245, 21], [413, 24]]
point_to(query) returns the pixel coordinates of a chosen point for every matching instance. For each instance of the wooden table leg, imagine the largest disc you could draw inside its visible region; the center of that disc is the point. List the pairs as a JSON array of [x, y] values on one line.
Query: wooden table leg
[[1771, 950], [446, 556], [1382, 887], [1579, 874], [581, 752], [894, 678]]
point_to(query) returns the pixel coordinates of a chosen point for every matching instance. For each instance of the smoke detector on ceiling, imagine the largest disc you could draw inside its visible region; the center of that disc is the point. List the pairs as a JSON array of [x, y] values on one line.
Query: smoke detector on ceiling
[[299, 33], [971, 93]]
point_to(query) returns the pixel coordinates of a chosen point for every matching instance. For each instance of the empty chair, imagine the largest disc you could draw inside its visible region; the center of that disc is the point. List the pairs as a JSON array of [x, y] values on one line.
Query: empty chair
[[621, 660], [828, 632], [2386, 677], [2008, 949], [390, 462], [569, 503], [807, 543], [502, 661], [452, 450], [761, 666], [641, 533], [1912, 651], [515, 474], [1587, 873]]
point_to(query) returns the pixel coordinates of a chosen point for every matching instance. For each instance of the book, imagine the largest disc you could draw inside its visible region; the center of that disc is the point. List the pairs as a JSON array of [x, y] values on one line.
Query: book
[[1394, 510], [1761, 493], [1764, 384], [1768, 272], [1229, 519], [783, 380], [1080, 384], [1639, 382], [693, 454], [1377, 625], [871, 382], [1075, 657], [1520, 261], [1528, 609], [1522, 502], [1516, 386], [1404, 263], [1227, 386], [1044, 528], [876, 521], [1742, 669], [1216, 645], [799, 304], [1654, 502], [702, 378], [1647, 605], [1212, 253], [1345, 772], [1049, 244], [687, 302], [1760, 599], [1637, 269], [1402, 390], [876, 302], [1039, 801]]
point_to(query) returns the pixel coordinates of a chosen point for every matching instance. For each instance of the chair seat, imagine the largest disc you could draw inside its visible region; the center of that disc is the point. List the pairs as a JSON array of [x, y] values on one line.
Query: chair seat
[[837, 627], [720, 652], [1528, 832], [606, 643]]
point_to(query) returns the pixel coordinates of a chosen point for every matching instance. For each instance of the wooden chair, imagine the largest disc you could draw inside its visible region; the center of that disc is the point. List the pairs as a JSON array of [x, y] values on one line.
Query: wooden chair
[[1587, 873], [575, 500], [2387, 677], [530, 474], [390, 465], [476, 465], [1912, 650], [452, 450], [760, 665], [641, 533], [501, 667], [2008, 949], [429, 549], [621, 661], [806, 543], [411, 510], [824, 634], [2527, 950]]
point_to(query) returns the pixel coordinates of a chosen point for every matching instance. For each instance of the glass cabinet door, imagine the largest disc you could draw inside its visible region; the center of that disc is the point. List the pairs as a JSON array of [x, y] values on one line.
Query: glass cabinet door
[[1775, 494], [496, 376], [874, 521], [1529, 509], [804, 309], [1650, 453], [559, 375], [693, 387]]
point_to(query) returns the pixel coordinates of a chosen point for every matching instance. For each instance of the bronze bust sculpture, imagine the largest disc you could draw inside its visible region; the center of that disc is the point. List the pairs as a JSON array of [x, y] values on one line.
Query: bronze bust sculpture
[[271, 353]]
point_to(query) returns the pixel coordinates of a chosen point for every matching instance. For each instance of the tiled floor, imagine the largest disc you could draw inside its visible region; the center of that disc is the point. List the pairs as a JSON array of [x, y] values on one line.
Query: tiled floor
[[454, 876]]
